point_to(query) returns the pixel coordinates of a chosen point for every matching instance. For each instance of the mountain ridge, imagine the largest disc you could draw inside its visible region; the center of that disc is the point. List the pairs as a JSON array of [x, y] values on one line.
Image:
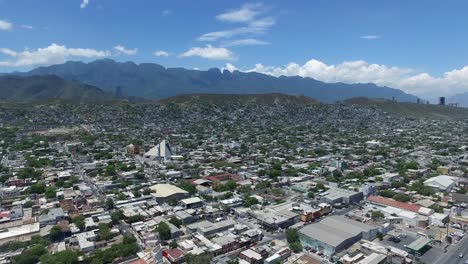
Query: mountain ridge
[[153, 81], [460, 98], [48, 87]]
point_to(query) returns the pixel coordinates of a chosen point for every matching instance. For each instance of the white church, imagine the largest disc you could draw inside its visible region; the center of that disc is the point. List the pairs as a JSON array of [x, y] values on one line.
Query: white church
[[161, 152]]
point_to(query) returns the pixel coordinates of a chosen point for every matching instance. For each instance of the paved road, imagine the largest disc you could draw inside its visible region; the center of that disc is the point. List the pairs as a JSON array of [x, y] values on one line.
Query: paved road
[[451, 257]]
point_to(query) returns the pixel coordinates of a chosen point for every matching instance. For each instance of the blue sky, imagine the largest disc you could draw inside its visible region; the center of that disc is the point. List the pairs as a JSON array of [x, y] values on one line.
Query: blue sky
[[417, 46]]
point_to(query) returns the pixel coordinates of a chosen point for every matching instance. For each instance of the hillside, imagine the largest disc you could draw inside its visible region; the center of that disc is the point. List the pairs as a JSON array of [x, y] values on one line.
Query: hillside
[[260, 99], [153, 81], [411, 109], [48, 87]]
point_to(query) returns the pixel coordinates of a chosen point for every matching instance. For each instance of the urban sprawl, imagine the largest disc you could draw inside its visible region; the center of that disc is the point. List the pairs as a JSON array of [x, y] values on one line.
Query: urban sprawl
[[207, 182]]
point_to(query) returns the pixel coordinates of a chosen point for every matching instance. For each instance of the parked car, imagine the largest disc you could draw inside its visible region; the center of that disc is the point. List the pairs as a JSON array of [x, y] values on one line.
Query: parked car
[[394, 239]]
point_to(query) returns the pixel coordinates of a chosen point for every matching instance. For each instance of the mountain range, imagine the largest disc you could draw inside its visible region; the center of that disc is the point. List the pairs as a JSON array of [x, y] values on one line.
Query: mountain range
[[48, 87], [153, 81], [461, 99]]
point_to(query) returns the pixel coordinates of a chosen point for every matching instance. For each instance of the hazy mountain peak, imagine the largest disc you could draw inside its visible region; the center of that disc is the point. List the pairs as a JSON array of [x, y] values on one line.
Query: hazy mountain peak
[[153, 81]]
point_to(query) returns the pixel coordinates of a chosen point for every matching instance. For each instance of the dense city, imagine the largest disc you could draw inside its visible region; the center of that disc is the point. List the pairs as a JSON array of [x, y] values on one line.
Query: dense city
[[207, 181]]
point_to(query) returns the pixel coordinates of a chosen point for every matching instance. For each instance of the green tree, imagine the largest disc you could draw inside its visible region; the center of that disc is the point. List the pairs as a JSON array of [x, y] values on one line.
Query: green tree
[[296, 247], [14, 245], [249, 201], [29, 204], [380, 235], [31, 255], [79, 221], [164, 231], [402, 197], [110, 170], [116, 216], [104, 232], [56, 233], [187, 186], [377, 215], [198, 259], [127, 248], [109, 204], [277, 166], [175, 221], [38, 187], [37, 239], [50, 192], [292, 235], [387, 193], [135, 218], [173, 244], [62, 257]]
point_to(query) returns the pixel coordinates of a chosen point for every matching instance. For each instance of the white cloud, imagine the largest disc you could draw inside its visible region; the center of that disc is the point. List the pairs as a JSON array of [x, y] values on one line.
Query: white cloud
[[166, 12], [408, 80], [370, 37], [161, 53], [244, 14], [8, 52], [5, 25], [27, 27], [254, 27], [245, 42], [230, 67], [122, 50], [209, 52], [84, 3], [247, 15], [52, 54]]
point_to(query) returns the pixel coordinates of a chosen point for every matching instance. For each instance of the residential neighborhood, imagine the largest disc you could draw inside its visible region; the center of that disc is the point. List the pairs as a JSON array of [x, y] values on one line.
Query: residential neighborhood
[[235, 184]]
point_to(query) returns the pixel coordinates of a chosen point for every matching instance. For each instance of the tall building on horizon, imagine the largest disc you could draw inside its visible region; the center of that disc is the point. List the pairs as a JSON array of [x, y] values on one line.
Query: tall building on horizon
[[441, 100], [118, 92]]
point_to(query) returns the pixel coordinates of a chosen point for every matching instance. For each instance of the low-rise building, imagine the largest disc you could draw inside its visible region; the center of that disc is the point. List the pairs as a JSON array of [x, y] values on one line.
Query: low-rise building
[[335, 196], [335, 233], [164, 193], [443, 183]]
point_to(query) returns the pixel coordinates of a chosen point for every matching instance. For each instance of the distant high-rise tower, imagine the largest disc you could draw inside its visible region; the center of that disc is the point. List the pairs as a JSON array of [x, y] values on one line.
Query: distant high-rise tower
[[118, 92], [418, 101], [441, 100]]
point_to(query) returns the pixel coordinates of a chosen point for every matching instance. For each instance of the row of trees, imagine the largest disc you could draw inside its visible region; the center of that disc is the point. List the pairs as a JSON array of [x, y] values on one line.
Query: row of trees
[[292, 236]]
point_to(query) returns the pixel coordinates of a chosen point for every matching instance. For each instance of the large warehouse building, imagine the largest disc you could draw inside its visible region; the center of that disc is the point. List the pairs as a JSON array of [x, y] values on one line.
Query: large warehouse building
[[335, 233], [167, 192]]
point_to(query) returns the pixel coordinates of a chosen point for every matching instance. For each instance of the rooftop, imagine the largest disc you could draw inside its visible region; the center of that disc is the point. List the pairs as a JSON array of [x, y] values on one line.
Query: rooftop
[[165, 190], [334, 230]]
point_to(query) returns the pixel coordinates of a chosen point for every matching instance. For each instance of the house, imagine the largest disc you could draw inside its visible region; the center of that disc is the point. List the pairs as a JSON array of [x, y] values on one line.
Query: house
[[191, 203], [442, 183], [335, 196], [391, 177], [251, 256], [52, 217], [174, 256], [207, 228]]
